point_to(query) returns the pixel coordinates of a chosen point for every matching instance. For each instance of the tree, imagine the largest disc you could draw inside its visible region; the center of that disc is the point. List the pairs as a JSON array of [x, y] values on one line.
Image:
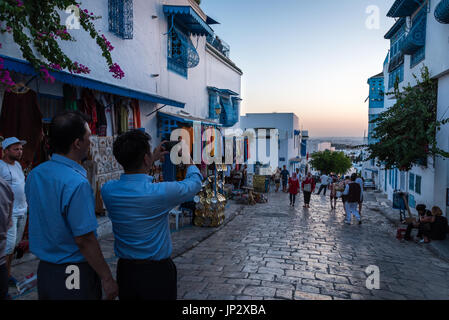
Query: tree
[[406, 133], [330, 162], [36, 27]]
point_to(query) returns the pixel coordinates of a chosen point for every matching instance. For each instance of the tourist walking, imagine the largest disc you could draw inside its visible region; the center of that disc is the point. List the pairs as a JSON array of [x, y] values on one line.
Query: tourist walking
[[6, 209], [277, 178], [333, 193], [360, 181], [324, 184], [139, 211], [285, 174], [353, 195], [308, 187], [11, 171], [63, 224], [293, 188]]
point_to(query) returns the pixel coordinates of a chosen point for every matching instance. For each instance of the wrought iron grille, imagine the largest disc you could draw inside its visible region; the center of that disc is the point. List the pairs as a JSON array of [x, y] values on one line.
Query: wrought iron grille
[[182, 54], [121, 18]]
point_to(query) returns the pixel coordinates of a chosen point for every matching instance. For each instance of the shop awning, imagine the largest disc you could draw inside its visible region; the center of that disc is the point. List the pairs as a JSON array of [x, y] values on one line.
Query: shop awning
[[187, 119], [25, 67], [442, 12], [190, 19], [404, 8]]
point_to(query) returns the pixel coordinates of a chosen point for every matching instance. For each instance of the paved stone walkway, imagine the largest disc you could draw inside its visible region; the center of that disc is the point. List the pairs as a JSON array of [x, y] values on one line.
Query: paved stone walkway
[[273, 251]]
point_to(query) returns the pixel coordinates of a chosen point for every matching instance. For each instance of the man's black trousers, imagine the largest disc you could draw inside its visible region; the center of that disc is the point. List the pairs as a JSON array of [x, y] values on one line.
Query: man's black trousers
[[54, 282], [147, 280]]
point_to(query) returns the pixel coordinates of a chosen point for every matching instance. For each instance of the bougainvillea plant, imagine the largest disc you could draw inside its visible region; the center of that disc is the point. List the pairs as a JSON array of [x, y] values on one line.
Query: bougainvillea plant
[[37, 27], [406, 132]]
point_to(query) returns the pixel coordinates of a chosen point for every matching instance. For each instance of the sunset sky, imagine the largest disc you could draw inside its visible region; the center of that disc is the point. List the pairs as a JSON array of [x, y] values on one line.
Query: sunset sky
[[312, 58]]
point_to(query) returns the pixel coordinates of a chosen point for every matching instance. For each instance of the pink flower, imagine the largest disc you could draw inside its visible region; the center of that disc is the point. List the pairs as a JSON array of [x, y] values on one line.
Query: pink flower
[[55, 66], [79, 68], [19, 3], [108, 44], [46, 75], [117, 71]]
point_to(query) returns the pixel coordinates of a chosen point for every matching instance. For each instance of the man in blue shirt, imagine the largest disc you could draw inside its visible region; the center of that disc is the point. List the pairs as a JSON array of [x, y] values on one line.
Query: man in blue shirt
[[139, 211], [62, 225], [285, 174]]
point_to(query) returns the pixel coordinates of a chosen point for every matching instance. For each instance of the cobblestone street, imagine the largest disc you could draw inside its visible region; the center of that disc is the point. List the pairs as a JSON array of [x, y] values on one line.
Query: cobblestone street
[[273, 251]]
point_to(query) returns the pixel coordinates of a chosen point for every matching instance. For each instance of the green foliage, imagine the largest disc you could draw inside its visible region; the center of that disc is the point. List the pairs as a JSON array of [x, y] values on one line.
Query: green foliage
[[330, 162], [406, 133], [37, 29]]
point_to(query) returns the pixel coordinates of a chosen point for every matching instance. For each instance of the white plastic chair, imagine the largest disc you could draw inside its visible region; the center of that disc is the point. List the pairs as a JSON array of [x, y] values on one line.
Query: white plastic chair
[[176, 213]]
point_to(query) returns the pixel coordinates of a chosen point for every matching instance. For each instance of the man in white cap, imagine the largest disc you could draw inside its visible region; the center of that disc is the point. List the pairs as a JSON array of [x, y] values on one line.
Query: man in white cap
[[11, 171]]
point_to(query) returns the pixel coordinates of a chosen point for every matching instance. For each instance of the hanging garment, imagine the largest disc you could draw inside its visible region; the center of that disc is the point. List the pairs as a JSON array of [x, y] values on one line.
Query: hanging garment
[[136, 109], [124, 118], [22, 118], [70, 98], [102, 124], [130, 117], [89, 107], [117, 117], [109, 111]]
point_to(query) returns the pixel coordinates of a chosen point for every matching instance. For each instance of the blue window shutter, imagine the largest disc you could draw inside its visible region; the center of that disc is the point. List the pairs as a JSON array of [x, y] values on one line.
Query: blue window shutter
[[411, 183], [418, 184], [121, 18]]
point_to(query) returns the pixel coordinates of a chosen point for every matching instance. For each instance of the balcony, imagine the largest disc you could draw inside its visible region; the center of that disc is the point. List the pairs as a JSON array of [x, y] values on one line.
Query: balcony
[[442, 12], [220, 45], [416, 38]]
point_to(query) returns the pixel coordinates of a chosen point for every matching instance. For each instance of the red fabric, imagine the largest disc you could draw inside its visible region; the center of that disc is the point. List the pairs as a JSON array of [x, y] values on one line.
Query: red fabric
[[136, 111], [293, 186], [309, 181], [89, 107], [22, 118]]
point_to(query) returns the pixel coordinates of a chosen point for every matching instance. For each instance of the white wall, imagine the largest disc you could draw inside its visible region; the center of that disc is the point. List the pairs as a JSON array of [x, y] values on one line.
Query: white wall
[[143, 56], [441, 164], [286, 123]]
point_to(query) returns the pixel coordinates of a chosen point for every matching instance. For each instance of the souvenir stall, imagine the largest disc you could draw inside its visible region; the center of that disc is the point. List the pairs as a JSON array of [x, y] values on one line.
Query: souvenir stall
[[210, 203], [26, 111]]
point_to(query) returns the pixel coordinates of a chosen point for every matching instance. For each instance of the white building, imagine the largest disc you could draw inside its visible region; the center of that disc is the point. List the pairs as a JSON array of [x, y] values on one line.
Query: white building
[[420, 38], [169, 53], [287, 124], [324, 146]]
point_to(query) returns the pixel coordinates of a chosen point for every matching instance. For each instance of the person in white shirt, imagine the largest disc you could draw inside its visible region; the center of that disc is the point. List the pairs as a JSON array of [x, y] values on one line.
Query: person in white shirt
[[11, 171], [324, 184]]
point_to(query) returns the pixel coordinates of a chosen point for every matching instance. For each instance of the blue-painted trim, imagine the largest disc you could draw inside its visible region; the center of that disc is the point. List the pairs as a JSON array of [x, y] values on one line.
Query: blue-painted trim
[[185, 120], [416, 38], [442, 12], [195, 24], [25, 67], [404, 8], [395, 28]]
